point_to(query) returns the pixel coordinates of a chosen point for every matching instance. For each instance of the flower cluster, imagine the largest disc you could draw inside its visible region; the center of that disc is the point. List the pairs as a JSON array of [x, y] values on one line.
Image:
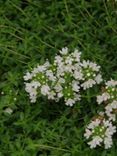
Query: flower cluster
[[109, 99], [63, 78], [66, 77], [38, 79], [110, 92], [100, 132], [91, 74]]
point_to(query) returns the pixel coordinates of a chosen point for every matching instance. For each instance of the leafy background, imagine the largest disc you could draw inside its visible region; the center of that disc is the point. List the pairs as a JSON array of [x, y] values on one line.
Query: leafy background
[[32, 31]]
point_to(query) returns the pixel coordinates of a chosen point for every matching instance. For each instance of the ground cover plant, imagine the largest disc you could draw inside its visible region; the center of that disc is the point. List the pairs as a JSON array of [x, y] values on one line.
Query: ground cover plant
[[33, 31]]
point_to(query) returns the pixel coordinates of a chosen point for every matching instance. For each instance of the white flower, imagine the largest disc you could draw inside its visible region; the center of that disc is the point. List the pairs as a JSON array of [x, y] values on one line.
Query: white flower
[[88, 133], [75, 86], [78, 75], [100, 98], [2, 93], [69, 102], [58, 59], [91, 65], [98, 78], [77, 55], [111, 83], [94, 124], [33, 96], [96, 141], [64, 51], [85, 64], [50, 75], [87, 84], [110, 92], [45, 89], [51, 95], [108, 142], [40, 68], [60, 71], [35, 84], [60, 94], [77, 67], [68, 68], [68, 60], [28, 76], [58, 87], [112, 117], [91, 74], [31, 88], [110, 130], [8, 110], [94, 66]]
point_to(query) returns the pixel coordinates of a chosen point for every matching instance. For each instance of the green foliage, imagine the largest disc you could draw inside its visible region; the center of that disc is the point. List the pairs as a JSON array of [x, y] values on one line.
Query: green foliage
[[32, 31]]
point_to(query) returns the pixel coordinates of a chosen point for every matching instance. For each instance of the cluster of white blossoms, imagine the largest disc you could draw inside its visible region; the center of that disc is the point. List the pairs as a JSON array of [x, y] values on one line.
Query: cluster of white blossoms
[[110, 92], [101, 130], [65, 77], [99, 133], [91, 74], [109, 99]]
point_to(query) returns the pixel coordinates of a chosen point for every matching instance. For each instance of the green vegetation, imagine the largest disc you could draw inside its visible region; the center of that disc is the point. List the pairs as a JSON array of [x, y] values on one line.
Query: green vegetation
[[32, 31]]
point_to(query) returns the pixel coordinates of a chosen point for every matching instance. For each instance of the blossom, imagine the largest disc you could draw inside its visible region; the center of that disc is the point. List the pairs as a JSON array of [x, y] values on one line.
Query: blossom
[[50, 75], [108, 142], [64, 51], [76, 54], [33, 96], [110, 92], [31, 88], [75, 86], [100, 98], [28, 76], [8, 110], [91, 65], [69, 102], [63, 78], [58, 59], [78, 75], [91, 74], [98, 78], [60, 94], [89, 83], [97, 140], [100, 132], [51, 95], [45, 89], [88, 133], [69, 60], [111, 83], [41, 68]]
